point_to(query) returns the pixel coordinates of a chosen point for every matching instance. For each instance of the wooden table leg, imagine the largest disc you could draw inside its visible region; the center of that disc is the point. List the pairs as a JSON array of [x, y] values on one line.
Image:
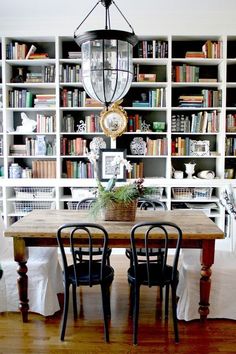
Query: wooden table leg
[[207, 259], [21, 257]]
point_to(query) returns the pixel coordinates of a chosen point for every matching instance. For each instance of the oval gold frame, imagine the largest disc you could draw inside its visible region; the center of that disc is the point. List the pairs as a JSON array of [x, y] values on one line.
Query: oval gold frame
[[114, 120]]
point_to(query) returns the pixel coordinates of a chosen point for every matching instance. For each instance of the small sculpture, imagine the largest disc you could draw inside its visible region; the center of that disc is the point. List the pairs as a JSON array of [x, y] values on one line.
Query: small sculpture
[[28, 125], [190, 169]]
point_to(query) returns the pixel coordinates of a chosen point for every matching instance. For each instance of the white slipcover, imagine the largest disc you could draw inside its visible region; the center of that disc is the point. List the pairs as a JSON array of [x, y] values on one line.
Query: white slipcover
[[44, 278], [223, 286]]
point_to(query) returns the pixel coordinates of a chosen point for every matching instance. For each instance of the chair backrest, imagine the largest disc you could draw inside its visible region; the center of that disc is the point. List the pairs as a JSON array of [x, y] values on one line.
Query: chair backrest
[[151, 204], [85, 203], [148, 232], [93, 235]]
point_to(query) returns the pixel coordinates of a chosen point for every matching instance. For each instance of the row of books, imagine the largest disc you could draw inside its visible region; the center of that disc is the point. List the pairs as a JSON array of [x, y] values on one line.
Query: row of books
[[230, 146], [151, 49], [134, 123], [44, 168], [20, 98], [45, 124], [70, 73], [185, 73], [137, 170], [19, 51], [211, 50], [200, 122], [152, 98], [75, 146], [72, 98], [79, 169], [156, 147], [231, 122], [47, 74], [182, 146]]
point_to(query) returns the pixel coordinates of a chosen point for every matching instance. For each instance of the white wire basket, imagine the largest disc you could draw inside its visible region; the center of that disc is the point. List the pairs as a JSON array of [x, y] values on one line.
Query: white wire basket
[[72, 205], [81, 193], [202, 193], [156, 194], [34, 192], [23, 207], [192, 193], [182, 193]]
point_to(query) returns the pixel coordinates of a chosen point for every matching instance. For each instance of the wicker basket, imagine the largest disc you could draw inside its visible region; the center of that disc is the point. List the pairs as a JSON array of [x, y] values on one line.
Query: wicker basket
[[120, 212]]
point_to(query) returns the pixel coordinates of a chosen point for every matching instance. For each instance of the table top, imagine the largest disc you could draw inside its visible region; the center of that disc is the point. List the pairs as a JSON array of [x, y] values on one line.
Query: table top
[[195, 225]]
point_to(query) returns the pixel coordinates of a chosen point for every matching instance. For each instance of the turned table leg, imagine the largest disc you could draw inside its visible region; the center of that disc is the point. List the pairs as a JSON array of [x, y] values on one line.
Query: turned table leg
[[21, 257], [207, 259]]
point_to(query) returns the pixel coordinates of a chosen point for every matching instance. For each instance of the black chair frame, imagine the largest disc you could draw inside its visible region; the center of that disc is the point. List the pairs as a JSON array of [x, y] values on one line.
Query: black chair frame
[[154, 274], [86, 273]]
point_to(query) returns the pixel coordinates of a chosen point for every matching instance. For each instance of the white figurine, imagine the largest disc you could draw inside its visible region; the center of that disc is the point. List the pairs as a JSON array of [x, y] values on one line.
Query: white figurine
[[28, 125]]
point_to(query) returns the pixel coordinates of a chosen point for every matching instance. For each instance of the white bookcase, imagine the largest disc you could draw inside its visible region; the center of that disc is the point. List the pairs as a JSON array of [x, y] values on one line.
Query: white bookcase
[[62, 74]]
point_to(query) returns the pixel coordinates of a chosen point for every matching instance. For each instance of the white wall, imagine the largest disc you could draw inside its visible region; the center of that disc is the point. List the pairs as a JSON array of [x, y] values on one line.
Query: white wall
[[61, 17]]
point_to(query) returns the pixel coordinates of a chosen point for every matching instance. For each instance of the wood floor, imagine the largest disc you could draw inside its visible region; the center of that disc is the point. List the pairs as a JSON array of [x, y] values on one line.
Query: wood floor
[[41, 335]]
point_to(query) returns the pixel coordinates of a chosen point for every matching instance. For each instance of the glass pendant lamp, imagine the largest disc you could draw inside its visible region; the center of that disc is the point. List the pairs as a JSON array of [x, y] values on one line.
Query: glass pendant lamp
[[107, 67]]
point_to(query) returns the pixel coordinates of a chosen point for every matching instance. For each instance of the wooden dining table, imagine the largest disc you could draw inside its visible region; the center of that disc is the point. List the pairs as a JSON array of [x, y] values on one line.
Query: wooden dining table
[[39, 227]]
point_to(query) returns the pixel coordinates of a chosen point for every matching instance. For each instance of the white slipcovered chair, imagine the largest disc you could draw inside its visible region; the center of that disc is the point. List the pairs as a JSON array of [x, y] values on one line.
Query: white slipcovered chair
[[45, 279], [223, 286]]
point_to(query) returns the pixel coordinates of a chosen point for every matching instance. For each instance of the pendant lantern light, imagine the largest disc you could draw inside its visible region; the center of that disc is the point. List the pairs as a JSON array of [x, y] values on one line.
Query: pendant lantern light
[[107, 67]]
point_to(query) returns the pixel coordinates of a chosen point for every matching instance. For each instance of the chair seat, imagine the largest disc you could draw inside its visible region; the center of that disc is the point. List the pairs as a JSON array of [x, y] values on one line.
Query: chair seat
[[223, 286], [83, 274], [155, 274]]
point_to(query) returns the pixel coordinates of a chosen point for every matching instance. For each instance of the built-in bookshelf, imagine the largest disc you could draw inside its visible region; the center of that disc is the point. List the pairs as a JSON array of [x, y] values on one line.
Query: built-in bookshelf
[[182, 97]]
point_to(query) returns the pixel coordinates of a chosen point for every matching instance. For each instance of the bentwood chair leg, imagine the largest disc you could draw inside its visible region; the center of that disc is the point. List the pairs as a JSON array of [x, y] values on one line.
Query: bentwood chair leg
[[65, 312], [175, 320], [167, 301], [104, 307], [136, 291], [74, 295]]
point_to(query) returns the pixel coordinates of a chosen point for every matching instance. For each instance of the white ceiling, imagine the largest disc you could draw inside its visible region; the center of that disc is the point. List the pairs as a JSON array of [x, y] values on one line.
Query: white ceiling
[[147, 17]]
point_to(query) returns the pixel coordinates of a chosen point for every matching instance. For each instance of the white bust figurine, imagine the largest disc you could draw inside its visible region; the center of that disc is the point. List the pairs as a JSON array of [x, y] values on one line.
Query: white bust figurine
[[28, 125]]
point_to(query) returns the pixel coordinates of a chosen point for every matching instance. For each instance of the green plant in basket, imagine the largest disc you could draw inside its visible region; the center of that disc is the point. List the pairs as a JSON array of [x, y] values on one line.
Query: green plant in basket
[[110, 195]]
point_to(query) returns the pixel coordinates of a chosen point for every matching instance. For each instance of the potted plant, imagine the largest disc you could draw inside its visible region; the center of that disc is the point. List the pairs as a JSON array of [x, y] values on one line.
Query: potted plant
[[118, 203]]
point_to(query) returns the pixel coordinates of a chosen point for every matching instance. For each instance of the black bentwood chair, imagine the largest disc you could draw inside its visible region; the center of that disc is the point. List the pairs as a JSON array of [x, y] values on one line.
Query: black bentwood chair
[[151, 273], [83, 253], [86, 272], [154, 253]]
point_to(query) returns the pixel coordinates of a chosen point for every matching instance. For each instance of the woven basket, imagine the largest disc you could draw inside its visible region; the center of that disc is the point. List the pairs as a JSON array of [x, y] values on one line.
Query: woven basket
[[120, 212]]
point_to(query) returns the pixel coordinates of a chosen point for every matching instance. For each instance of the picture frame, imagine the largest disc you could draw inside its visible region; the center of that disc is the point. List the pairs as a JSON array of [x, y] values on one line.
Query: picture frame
[[199, 147], [106, 170]]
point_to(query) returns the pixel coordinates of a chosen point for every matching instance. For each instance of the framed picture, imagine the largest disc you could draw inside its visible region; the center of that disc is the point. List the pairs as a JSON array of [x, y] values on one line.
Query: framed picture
[[199, 147], [106, 169]]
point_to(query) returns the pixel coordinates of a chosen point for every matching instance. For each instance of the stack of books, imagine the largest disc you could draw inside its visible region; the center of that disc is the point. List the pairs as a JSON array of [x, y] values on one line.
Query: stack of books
[[191, 101], [45, 101]]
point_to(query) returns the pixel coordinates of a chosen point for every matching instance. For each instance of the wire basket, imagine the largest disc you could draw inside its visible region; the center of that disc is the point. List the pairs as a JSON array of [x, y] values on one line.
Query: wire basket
[[72, 205], [34, 192], [192, 193], [23, 207], [202, 193], [182, 193], [156, 194]]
